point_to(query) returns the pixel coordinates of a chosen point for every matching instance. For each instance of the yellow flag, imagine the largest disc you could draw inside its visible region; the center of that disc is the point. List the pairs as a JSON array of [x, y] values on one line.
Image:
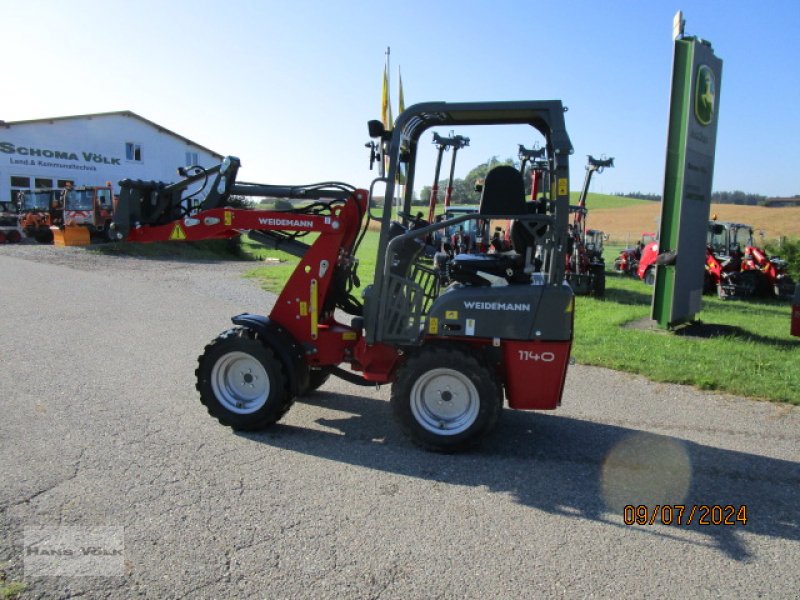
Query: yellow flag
[[386, 105], [402, 102]]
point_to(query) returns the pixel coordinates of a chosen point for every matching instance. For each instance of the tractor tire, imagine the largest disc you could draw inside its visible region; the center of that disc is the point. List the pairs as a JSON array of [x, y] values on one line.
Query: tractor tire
[[13, 236], [316, 379], [598, 281], [241, 382], [43, 236], [751, 284], [650, 276], [2, 237], [445, 399], [709, 286]]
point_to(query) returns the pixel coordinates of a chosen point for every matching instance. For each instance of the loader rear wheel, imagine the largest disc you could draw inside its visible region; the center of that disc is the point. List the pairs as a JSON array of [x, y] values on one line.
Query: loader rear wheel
[[241, 382], [446, 400], [650, 276]]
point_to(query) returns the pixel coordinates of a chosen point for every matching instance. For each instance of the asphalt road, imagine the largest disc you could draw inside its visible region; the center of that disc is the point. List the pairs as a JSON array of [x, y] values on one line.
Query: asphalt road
[[102, 427]]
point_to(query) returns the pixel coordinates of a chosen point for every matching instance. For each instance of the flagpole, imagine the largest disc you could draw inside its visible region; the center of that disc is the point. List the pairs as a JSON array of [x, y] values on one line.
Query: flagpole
[[389, 124], [388, 77]]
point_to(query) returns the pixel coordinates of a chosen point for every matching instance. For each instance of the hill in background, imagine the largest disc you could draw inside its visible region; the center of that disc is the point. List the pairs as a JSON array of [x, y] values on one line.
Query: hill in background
[[625, 219]]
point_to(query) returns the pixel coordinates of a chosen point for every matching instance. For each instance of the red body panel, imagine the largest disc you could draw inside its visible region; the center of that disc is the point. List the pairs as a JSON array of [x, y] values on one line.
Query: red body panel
[[535, 373], [378, 362], [649, 256]]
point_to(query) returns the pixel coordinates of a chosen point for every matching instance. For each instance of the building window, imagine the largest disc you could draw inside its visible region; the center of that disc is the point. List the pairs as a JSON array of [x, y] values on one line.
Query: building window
[[43, 183], [133, 152], [191, 159], [20, 182], [62, 183]]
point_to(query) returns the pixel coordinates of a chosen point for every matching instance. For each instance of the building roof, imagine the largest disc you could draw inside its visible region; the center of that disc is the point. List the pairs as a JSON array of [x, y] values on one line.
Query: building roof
[[119, 113]]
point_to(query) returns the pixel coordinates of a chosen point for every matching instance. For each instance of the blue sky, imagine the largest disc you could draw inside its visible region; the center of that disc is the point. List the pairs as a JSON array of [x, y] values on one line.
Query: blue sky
[[288, 87]]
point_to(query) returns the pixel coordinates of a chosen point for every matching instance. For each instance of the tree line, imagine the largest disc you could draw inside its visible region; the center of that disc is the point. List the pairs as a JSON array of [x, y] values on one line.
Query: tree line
[[735, 197]]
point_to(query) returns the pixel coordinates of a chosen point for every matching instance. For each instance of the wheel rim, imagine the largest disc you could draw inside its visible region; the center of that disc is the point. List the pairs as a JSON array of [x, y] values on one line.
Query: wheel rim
[[240, 383], [445, 401]]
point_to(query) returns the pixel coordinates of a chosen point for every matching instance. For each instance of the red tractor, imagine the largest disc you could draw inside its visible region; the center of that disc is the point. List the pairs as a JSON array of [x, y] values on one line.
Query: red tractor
[[501, 327], [737, 268]]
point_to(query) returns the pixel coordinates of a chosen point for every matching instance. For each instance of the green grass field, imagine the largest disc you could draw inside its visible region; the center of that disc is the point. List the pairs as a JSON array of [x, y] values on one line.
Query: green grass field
[[749, 351]]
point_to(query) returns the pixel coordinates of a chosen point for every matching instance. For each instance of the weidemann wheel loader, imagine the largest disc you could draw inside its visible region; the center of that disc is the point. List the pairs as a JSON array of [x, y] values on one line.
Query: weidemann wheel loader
[[501, 327]]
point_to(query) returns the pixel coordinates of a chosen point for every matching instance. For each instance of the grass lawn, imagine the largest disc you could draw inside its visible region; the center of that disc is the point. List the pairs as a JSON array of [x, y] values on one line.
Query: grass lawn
[[750, 352]]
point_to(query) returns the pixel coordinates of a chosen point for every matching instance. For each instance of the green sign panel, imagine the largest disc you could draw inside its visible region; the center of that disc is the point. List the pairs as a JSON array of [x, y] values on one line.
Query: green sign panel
[[686, 204]]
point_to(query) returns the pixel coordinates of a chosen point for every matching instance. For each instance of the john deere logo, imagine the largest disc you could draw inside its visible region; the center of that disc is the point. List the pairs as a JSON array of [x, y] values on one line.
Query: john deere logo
[[705, 95]]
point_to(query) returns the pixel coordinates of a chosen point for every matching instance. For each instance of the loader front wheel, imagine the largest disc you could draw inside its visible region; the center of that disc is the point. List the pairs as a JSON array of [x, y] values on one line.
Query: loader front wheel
[[446, 400], [241, 382], [316, 379]]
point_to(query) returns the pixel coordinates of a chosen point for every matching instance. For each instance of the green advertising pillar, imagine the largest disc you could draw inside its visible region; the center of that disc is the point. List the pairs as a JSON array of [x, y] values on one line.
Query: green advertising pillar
[[686, 203]]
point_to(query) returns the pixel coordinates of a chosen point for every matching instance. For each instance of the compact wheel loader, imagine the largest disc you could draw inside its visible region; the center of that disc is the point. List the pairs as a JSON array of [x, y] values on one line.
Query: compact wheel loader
[[501, 327]]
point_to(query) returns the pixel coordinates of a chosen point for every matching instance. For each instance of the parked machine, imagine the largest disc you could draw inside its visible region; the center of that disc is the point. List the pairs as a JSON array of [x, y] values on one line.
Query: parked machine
[[627, 263], [87, 212], [450, 354], [39, 209], [586, 268], [456, 142], [10, 232], [737, 268]]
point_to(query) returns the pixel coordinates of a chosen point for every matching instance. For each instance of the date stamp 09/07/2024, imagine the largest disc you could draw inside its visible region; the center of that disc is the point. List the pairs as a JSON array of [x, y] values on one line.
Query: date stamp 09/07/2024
[[685, 514]]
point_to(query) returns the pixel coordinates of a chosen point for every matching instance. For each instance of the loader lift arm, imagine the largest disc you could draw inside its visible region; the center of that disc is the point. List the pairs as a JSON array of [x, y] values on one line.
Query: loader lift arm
[[149, 211]]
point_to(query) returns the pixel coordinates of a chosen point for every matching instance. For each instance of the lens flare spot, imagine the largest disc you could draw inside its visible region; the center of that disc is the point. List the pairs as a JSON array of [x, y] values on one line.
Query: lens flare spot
[[645, 468]]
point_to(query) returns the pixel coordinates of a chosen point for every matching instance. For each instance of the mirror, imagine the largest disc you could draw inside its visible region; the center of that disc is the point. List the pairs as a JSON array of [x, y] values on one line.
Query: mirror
[[375, 128]]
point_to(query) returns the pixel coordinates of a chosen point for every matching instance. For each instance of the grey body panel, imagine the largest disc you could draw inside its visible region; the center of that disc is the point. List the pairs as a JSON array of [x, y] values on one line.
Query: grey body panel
[[513, 312]]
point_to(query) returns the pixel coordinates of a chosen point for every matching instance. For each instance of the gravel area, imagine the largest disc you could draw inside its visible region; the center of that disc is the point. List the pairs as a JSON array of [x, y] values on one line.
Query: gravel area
[[217, 279]]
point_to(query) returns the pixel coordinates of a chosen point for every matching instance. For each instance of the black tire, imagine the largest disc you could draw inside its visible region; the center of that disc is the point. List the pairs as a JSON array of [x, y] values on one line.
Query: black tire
[[650, 276], [43, 236], [751, 284], [241, 382], [13, 236], [316, 379], [709, 287], [598, 281], [445, 399]]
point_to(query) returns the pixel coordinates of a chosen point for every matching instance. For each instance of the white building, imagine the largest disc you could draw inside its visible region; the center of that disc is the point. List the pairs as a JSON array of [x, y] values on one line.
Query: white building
[[92, 150]]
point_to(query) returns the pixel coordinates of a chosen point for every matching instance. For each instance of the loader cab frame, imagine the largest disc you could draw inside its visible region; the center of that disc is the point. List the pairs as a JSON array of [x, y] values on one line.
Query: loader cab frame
[[400, 146]]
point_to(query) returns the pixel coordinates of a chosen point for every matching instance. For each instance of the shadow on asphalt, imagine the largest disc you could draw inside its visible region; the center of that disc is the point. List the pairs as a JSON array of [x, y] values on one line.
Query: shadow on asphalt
[[556, 464]]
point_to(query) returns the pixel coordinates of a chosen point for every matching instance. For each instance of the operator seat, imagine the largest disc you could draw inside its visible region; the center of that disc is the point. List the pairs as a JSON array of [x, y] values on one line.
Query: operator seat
[[503, 194]]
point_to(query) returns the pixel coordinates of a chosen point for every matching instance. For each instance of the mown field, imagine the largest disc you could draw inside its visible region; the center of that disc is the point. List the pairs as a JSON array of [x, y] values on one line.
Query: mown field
[[625, 221]]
